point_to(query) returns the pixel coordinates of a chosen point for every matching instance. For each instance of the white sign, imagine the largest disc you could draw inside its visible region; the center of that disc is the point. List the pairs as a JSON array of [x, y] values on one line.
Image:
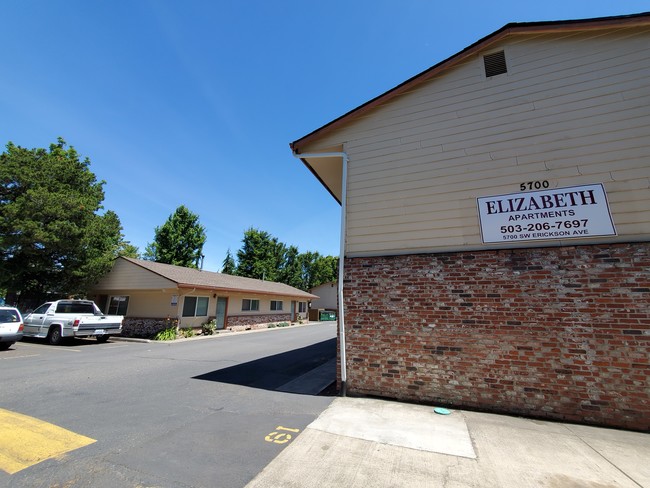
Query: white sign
[[174, 300], [561, 213]]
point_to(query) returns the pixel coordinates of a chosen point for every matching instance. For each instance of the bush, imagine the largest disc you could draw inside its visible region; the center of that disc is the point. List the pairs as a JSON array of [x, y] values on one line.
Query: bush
[[166, 335], [209, 328], [187, 332]]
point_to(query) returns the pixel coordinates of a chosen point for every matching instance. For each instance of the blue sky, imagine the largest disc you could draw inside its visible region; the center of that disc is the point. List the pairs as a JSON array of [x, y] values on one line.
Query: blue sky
[[196, 102]]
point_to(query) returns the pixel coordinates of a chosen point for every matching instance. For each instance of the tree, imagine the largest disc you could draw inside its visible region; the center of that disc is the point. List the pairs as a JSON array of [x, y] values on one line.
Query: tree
[[128, 250], [317, 269], [53, 241], [261, 256], [229, 265], [291, 272], [179, 241]]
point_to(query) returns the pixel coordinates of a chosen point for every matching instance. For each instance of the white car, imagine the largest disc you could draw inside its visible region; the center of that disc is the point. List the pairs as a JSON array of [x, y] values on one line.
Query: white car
[[11, 327]]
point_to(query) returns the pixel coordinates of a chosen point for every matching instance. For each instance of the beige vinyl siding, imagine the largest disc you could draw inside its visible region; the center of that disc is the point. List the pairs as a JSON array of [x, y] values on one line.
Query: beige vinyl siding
[[327, 294], [152, 304], [572, 110], [235, 304], [126, 275]]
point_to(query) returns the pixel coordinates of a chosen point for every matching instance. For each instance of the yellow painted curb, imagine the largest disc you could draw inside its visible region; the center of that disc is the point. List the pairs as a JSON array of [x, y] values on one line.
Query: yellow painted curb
[[25, 441]]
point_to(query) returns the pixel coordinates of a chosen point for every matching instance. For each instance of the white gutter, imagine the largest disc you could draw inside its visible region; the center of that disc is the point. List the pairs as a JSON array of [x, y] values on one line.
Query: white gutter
[[344, 177]]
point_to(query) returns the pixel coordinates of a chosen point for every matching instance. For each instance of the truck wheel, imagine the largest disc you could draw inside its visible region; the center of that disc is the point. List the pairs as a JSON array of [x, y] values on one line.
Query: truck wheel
[[54, 337], [102, 338]]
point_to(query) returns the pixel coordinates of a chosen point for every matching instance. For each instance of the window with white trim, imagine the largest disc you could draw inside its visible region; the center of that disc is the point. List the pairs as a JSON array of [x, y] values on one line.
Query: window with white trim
[[117, 305], [276, 305], [302, 307], [249, 305], [195, 306]]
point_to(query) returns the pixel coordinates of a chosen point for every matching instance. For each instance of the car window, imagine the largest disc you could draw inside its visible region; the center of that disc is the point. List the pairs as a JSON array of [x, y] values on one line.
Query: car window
[[83, 307], [42, 309], [75, 307], [9, 316]]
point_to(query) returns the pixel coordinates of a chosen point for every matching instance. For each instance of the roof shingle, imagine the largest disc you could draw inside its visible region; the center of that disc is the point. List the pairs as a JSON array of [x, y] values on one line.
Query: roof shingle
[[188, 277]]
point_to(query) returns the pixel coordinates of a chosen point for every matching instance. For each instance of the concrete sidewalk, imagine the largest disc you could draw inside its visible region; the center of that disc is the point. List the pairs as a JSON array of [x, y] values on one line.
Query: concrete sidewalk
[[363, 443]]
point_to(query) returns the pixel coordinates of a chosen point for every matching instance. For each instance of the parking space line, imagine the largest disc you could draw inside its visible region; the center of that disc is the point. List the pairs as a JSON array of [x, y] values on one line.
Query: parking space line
[[49, 347], [23, 356], [25, 441]]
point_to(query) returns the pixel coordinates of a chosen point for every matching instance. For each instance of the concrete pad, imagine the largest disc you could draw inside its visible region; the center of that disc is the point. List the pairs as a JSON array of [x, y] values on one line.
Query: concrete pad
[[398, 424], [628, 451], [317, 459], [518, 453]]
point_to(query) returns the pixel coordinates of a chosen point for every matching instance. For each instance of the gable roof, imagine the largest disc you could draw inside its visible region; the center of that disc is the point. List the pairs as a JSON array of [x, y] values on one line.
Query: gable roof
[[514, 28], [209, 280], [329, 173]]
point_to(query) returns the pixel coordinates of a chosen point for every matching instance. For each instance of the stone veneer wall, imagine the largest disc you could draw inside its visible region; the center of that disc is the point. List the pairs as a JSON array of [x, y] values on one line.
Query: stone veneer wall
[[237, 320], [148, 327], [145, 327], [560, 333]]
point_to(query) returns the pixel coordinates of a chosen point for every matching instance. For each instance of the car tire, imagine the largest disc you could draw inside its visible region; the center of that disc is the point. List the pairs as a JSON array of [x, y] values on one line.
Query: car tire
[[5, 345], [55, 337], [102, 338]]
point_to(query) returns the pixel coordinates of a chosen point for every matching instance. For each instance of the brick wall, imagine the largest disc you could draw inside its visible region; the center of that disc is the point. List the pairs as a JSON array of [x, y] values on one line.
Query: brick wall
[[560, 333]]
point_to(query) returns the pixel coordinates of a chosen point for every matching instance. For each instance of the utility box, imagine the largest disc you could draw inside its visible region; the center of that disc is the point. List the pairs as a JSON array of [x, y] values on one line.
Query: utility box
[[314, 314]]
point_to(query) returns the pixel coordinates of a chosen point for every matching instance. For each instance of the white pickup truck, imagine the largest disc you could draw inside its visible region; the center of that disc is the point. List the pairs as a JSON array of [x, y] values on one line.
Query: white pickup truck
[[71, 318]]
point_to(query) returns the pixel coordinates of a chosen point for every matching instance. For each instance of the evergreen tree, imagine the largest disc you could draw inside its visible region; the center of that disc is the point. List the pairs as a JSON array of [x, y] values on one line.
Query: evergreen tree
[[261, 256], [53, 241], [229, 265], [178, 241]]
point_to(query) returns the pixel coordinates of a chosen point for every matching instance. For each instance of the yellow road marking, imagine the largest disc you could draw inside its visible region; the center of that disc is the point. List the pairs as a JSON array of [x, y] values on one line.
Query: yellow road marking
[[25, 441]]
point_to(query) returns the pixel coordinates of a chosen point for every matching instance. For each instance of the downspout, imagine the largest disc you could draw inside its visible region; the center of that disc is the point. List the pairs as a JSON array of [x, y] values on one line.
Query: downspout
[[344, 177]]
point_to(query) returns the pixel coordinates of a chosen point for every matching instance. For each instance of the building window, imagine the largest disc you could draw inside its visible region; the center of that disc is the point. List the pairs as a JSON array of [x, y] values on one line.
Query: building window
[[276, 305], [302, 307], [118, 305], [250, 305], [195, 307]]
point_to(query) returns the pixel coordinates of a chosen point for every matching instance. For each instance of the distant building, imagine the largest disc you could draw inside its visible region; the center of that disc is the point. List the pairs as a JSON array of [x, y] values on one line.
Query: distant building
[[326, 296], [150, 294]]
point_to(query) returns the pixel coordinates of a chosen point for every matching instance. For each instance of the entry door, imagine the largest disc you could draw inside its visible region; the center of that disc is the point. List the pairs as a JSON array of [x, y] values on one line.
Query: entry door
[[293, 311], [222, 306]]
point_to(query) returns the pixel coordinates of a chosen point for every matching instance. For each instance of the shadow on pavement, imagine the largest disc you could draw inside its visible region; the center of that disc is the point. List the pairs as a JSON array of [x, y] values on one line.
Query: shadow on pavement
[[271, 372]]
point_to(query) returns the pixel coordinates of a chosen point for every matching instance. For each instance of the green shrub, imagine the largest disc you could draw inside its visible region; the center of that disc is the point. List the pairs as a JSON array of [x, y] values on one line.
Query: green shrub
[[187, 332], [284, 324], [166, 335], [209, 328]]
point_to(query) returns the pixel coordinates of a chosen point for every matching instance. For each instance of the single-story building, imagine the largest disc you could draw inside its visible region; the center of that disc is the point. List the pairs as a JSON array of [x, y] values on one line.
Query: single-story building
[[496, 226], [151, 295]]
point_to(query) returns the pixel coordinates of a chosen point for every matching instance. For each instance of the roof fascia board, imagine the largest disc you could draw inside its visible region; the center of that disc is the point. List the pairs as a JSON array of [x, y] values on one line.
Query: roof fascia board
[[242, 291]]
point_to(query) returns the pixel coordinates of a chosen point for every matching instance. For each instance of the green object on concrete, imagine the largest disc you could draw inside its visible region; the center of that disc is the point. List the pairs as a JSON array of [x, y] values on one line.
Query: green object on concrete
[[325, 316]]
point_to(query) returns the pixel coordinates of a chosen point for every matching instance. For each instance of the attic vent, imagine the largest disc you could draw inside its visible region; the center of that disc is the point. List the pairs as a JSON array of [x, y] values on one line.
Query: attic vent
[[495, 64]]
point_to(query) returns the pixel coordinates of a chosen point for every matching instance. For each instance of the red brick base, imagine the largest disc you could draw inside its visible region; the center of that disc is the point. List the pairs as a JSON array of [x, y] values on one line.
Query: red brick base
[[559, 333]]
